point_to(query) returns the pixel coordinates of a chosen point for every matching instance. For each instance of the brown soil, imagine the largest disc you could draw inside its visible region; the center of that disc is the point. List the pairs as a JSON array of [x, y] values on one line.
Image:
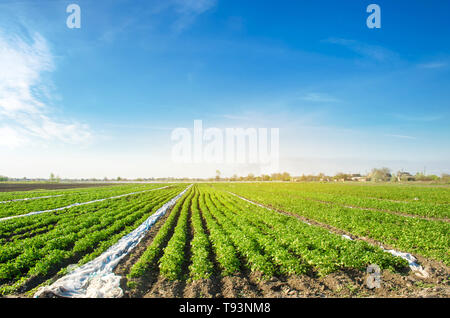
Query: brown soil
[[8, 187], [345, 283]]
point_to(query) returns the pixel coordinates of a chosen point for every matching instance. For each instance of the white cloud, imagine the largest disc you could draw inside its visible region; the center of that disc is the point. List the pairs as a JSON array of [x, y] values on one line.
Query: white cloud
[[400, 136], [373, 52], [319, 98], [25, 95], [10, 138], [188, 10], [418, 118], [433, 65]]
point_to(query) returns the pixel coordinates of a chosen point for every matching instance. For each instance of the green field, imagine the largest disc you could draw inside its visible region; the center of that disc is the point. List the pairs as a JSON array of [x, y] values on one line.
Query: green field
[[213, 233]]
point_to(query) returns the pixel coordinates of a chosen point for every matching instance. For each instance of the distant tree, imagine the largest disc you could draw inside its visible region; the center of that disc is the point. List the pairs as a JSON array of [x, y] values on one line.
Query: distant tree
[[217, 175], [250, 177], [285, 176], [382, 174], [340, 176], [422, 177], [3, 178], [275, 176]]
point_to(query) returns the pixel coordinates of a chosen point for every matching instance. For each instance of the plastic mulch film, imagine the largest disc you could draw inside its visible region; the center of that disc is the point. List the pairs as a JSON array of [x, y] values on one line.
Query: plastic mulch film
[[96, 279]]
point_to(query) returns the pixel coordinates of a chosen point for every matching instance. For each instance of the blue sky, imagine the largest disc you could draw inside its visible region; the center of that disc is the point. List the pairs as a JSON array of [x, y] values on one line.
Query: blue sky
[[102, 100]]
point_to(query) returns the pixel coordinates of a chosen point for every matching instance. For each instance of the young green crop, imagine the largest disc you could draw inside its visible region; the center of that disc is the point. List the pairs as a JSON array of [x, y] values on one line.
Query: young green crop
[[225, 252], [171, 263], [201, 266], [286, 262], [325, 251], [256, 259], [154, 249], [413, 235], [80, 234], [67, 198]]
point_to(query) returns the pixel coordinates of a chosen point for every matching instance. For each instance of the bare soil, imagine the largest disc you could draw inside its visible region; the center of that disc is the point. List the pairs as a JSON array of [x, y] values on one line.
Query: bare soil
[[344, 283]]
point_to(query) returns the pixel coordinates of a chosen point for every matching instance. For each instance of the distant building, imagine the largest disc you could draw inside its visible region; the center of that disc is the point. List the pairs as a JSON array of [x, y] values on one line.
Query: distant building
[[405, 176]]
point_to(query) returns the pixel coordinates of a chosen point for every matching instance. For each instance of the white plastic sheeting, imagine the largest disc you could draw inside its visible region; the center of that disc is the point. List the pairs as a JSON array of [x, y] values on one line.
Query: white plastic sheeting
[[96, 279], [35, 198], [257, 204], [412, 261], [254, 203], [76, 204]]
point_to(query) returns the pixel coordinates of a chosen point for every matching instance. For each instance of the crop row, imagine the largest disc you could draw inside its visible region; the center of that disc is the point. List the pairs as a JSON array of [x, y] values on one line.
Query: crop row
[[420, 208], [235, 234], [414, 235], [201, 265], [323, 251], [426, 209], [23, 207], [170, 264], [154, 249], [74, 238], [20, 195], [393, 192]]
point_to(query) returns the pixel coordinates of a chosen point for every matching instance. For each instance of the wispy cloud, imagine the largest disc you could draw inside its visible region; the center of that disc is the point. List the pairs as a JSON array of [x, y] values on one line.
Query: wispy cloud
[[418, 118], [319, 98], [25, 95], [400, 136], [433, 65], [374, 52], [188, 10]]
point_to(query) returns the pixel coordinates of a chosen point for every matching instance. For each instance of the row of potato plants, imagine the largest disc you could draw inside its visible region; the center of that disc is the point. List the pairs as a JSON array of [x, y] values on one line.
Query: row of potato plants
[[150, 255], [419, 208], [201, 266], [236, 234], [414, 235], [382, 191], [23, 227], [285, 262], [20, 195], [171, 263], [43, 204], [321, 250], [225, 252], [76, 237]]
